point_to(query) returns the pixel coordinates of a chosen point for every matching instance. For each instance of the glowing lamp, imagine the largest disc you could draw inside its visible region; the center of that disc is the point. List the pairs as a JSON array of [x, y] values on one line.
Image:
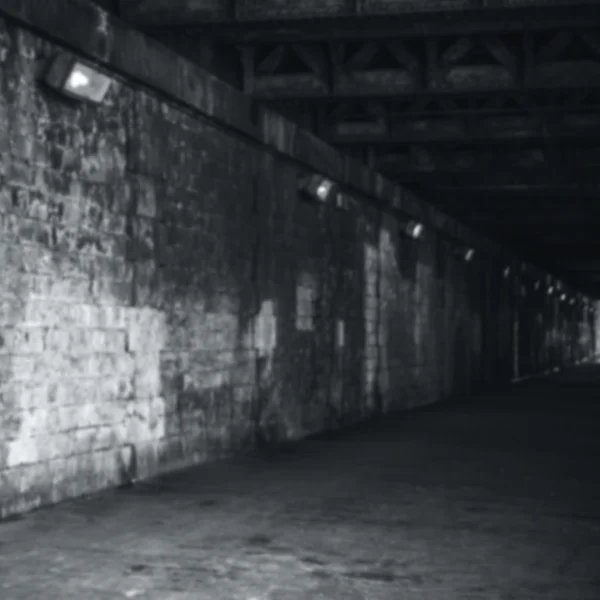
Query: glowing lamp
[[563, 297], [412, 229], [317, 187], [550, 291], [506, 272], [77, 79], [415, 230], [323, 189], [467, 254]]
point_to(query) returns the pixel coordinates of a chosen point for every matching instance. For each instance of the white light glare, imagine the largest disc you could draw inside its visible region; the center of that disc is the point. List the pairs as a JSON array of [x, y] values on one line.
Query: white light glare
[[537, 285], [506, 272], [324, 189], [563, 297], [415, 230], [469, 254], [77, 79], [550, 290]]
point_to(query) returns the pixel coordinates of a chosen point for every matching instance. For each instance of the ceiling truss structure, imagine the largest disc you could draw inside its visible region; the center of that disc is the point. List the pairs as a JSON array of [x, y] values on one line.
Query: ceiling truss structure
[[490, 109], [433, 69]]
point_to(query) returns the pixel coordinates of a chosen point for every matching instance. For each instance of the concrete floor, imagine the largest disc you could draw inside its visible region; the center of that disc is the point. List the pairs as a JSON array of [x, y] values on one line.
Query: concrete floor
[[498, 498]]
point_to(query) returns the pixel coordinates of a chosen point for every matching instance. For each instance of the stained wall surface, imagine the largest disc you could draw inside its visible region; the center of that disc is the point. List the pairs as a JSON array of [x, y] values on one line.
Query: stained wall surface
[[167, 297]]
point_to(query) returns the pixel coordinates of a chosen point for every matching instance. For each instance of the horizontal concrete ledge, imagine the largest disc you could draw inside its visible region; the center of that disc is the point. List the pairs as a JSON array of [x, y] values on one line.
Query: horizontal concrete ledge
[[85, 28]]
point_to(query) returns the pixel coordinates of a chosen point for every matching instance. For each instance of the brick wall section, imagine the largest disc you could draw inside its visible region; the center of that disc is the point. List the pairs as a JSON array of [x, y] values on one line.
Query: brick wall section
[[66, 369], [166, 298]]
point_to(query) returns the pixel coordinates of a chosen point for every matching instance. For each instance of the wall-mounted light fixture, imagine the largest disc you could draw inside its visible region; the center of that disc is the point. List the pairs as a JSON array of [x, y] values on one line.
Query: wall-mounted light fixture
[[317, 187], [466, 254], [412, 229], [324, 189], [77, 79], [415, 230]]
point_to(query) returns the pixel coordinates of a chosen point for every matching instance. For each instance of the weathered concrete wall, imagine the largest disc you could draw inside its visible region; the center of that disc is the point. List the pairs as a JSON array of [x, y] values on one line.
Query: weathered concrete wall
[[166, 297]]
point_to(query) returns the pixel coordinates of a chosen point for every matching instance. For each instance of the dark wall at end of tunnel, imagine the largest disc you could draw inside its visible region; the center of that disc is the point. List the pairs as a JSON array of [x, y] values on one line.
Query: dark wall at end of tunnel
[[167, 297]]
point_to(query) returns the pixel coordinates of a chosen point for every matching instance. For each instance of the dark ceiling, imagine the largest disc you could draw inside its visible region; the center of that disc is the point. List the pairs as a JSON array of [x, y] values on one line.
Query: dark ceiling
[[489, 108]]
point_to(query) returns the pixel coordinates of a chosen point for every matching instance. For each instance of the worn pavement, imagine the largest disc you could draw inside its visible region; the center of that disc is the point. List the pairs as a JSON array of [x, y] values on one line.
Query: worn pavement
[[493, 498]]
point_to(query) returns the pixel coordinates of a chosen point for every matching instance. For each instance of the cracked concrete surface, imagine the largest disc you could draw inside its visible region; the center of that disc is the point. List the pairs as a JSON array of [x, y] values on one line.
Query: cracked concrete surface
[[495, 498]]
